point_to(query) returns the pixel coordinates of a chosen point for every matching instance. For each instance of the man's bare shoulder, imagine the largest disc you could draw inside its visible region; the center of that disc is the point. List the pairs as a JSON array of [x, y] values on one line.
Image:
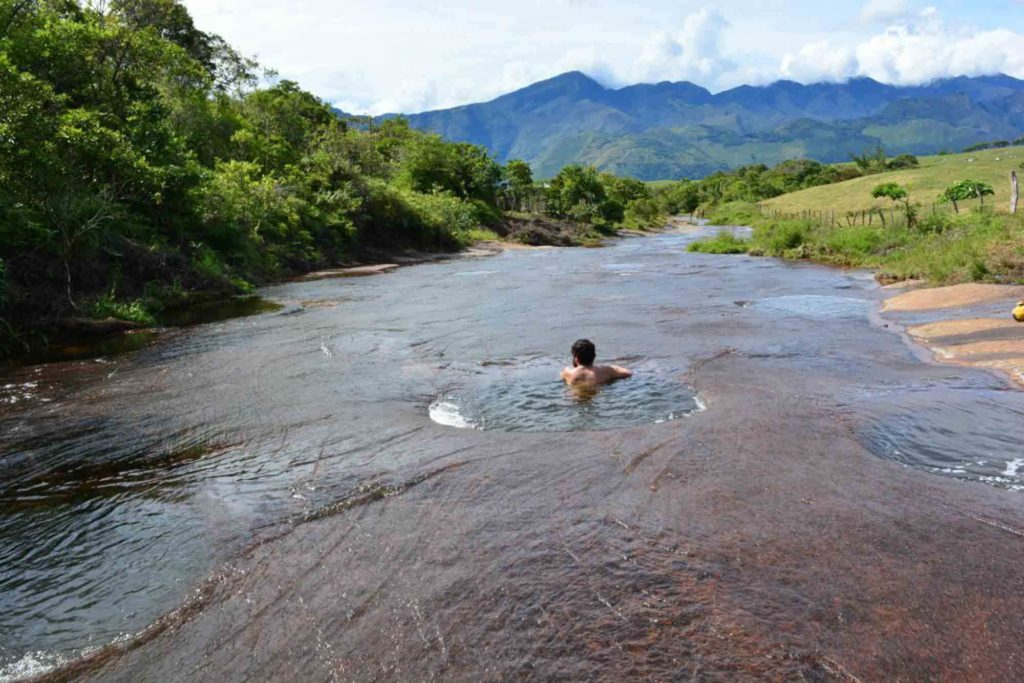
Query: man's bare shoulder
[[621, 372]]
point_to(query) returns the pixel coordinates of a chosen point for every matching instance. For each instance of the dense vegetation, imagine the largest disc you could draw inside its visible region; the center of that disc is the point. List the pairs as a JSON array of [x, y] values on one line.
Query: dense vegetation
[[757, 182], [141, 160]]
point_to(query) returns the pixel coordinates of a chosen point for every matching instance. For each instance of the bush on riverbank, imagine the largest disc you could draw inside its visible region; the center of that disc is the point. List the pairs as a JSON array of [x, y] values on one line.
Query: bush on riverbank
[[943, 249], [142, 163], [723, 243]]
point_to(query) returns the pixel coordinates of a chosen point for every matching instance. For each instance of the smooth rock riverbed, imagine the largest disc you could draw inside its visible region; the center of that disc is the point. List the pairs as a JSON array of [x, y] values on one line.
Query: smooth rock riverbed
[[268, 498]]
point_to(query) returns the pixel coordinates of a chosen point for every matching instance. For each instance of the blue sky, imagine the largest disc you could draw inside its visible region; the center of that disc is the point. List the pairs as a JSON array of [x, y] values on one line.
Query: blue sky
[[371, 56]]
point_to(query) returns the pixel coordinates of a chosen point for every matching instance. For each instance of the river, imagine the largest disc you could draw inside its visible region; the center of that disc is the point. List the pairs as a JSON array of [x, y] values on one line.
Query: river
[[785, 488]]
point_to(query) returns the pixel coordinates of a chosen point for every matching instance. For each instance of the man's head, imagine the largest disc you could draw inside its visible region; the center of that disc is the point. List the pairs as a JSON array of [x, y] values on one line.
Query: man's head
[[583, 352]]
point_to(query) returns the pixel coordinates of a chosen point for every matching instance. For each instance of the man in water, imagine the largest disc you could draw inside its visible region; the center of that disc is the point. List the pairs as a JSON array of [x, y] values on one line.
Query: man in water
[[583, 370]]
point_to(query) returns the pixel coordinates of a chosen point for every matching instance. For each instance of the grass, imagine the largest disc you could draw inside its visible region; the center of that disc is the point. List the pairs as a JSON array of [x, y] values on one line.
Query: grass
[[724, 243], [925, 183], [107, 306], [475, 235], [975, 246], [659, 184]]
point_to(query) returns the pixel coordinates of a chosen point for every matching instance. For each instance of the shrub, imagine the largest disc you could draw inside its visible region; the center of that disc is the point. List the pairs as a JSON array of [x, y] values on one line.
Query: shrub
[[935, 223], [108, 306], [847, 173], [903, 161], [723, 243], [777, 237], [644, 213], [611, 211]]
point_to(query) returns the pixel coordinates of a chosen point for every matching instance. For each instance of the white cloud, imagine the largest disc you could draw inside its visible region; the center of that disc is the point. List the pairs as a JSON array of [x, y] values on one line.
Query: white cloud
[[915, 50], [693, 53], [423, 94], [820, 61], [403, 55]]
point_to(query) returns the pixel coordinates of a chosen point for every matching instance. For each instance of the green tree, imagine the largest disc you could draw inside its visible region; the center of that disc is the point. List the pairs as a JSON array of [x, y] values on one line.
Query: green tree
[[429, 164], [519, 176], [623, 190], [518, 182], [963, 190], [576, 192], [896, 193], [679, 197]]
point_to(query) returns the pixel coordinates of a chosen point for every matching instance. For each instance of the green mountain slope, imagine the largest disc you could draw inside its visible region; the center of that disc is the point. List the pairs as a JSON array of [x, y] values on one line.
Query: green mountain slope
[[673, 130]]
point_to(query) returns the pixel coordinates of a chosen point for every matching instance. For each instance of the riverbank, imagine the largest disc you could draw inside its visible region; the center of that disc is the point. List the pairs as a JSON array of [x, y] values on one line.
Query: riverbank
[[81, 336], [959, 328], [942, 248], [963, 273]]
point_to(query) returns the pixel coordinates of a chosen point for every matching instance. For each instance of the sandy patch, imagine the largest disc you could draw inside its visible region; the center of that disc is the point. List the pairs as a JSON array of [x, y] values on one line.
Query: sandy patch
[[994, 343], [954, 296]]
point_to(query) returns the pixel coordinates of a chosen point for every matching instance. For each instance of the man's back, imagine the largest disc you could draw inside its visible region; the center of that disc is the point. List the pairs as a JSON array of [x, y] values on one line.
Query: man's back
[[594, 374], [583, 371]]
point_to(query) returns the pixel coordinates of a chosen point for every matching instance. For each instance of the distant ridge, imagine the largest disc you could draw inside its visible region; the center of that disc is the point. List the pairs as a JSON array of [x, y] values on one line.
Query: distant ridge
[[679, 129]]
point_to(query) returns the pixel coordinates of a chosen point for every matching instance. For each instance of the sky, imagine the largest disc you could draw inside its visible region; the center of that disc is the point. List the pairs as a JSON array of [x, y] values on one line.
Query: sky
[[378, 56]]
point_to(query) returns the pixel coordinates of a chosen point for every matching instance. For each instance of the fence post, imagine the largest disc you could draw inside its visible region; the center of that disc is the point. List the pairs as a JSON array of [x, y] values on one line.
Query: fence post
[[1013, 192]]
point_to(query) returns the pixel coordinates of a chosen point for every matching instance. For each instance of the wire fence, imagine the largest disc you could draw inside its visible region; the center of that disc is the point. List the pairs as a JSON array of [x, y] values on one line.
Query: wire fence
[[885, 217], [523, 202]]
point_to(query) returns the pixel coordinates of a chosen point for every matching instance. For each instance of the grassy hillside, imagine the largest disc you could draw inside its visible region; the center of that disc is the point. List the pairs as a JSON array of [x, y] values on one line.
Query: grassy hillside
[[925, 183]]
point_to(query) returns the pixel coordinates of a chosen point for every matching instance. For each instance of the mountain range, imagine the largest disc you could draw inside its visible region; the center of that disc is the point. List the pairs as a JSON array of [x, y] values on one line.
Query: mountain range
[[675, 130]]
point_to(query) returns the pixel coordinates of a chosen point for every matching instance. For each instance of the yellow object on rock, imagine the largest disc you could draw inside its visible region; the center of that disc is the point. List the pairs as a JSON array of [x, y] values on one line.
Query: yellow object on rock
[[1018, 313]]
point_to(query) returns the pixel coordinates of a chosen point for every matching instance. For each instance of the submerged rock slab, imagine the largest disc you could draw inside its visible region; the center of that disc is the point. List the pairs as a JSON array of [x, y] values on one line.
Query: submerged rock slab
[[993, 343], [954, 296], [354, 271]]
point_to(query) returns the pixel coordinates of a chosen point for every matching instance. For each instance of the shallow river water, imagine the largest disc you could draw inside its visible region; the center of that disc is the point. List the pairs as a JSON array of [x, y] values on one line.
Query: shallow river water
[[127, 480]]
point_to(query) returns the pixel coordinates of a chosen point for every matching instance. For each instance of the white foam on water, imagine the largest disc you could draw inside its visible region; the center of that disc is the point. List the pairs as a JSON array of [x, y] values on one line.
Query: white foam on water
[[446, 413], [1013, 467], [17, 393], [37, 663], [31, 665]]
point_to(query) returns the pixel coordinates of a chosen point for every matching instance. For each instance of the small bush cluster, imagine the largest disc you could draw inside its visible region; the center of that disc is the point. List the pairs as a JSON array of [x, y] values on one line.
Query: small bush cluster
[[724, 243]]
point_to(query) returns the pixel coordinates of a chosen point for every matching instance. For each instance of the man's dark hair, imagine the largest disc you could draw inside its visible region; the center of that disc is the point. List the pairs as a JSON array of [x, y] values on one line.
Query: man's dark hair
[[584, 351]]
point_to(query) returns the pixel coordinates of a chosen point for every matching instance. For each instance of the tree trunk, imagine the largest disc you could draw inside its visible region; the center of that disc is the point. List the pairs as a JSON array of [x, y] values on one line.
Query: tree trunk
[[67, 281], [956, 209]]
